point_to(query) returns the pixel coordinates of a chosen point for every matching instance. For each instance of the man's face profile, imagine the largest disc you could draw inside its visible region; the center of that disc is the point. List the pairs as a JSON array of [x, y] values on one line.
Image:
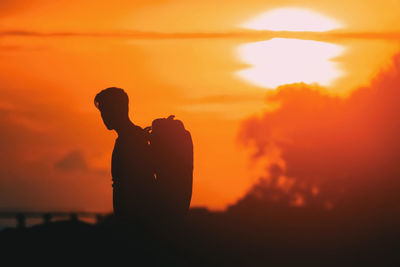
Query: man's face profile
[[107, 117]]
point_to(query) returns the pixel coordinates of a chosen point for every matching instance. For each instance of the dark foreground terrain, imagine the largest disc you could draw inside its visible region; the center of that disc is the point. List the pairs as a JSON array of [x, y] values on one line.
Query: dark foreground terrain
[[241, 236]]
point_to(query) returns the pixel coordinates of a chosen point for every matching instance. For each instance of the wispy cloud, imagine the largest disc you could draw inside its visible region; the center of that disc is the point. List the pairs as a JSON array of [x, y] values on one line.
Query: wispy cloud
[[21, 48], [219, 99], [126, 34], [245, 34]]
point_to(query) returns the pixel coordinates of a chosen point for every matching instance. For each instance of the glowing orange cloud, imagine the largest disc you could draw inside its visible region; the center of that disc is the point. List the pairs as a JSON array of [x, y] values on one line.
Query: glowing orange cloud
[[346, 150]]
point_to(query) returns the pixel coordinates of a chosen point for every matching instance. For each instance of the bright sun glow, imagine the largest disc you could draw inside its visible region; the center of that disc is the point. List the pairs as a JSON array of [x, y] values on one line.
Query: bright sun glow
[[283, 61], [292, 19]]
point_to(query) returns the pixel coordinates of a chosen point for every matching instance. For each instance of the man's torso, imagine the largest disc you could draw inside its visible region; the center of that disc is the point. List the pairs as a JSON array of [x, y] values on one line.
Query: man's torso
[[133, 181]]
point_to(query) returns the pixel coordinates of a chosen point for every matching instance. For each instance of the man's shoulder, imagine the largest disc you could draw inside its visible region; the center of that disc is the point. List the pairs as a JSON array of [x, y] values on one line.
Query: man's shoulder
[[138, 129], [137, 134]]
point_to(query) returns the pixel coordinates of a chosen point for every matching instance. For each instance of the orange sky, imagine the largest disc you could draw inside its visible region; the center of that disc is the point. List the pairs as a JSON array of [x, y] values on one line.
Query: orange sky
[[55, 151]]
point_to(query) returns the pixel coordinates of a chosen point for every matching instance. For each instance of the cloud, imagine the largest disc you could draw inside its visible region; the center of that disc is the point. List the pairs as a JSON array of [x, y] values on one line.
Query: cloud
[[223, 99], [35, 170], [327, 151], [75, 160], [242, 34], [18, 48], [124, 34]]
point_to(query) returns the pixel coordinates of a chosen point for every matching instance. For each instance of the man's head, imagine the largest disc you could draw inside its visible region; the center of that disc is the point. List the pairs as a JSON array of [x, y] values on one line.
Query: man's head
[[113, 105]]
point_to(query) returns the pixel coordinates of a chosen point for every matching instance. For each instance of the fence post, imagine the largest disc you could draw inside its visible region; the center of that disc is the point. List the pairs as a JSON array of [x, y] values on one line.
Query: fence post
[[73, 217], [47, 218], [21, 224]]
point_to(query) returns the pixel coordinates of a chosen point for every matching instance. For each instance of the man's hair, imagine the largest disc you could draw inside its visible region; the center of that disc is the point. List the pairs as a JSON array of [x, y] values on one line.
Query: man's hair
[[112, 97]]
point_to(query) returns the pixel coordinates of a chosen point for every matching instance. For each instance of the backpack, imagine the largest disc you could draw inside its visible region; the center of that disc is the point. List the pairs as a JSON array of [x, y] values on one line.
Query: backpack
[[172, 158]]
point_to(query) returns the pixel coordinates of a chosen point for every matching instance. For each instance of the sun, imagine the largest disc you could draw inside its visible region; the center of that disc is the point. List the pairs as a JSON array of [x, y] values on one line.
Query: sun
[[281, 61], [292, 19]]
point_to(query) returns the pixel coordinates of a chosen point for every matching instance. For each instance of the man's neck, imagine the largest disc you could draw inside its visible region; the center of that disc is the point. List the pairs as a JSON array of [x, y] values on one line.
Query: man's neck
[[125, 128]]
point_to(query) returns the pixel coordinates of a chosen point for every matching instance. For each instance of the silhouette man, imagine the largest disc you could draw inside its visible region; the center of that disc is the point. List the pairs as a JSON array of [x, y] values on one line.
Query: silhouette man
[[134, 198]]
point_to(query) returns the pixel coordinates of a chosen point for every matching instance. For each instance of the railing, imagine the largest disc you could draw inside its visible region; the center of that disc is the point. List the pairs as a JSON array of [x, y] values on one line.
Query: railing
[[49, 216]]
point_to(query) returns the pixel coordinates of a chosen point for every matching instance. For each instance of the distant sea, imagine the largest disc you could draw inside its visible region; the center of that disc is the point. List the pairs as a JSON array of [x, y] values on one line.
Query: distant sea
[[7, 223]]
